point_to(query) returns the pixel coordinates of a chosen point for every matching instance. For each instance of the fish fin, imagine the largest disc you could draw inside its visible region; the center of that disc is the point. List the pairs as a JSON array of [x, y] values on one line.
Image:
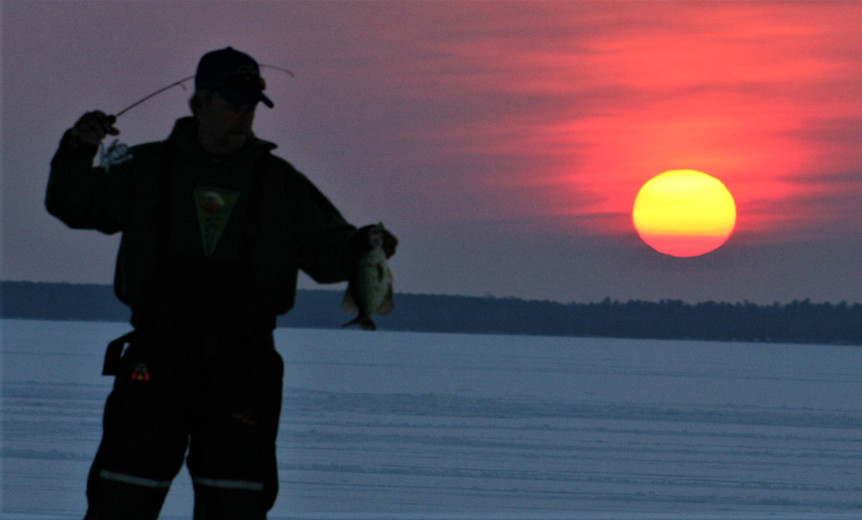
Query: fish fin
[[349, 303], [387, 304]]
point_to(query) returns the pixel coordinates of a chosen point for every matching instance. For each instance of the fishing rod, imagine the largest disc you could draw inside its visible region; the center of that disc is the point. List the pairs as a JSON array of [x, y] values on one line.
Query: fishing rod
[[113, 118], [117, 152], [179, 83]]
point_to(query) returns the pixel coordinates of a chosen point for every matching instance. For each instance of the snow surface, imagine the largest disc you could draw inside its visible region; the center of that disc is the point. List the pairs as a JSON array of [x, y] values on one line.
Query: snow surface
[[415, 426]]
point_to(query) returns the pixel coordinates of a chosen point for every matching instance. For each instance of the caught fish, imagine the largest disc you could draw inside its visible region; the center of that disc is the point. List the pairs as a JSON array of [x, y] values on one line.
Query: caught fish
[[370, 289]]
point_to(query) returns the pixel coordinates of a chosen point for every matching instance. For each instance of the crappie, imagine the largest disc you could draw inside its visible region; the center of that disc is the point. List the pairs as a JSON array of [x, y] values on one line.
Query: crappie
[[370, 289]]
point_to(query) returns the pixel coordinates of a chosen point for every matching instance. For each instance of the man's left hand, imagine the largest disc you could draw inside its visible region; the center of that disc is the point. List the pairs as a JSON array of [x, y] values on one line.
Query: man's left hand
[[390, 243], [367, 235]]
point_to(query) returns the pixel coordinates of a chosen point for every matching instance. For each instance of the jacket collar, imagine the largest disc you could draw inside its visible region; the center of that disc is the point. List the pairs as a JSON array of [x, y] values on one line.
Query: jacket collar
[[184, 136]]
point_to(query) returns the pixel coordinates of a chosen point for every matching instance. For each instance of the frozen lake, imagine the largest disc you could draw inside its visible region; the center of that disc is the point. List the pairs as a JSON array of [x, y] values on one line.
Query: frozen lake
[[395, 425]]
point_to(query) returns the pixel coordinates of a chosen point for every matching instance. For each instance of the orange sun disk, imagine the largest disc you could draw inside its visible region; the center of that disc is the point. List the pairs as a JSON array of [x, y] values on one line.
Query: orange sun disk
[[684, 213]]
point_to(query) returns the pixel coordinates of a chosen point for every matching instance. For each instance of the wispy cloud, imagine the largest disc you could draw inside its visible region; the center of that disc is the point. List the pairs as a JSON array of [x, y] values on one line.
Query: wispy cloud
[[586, 101]]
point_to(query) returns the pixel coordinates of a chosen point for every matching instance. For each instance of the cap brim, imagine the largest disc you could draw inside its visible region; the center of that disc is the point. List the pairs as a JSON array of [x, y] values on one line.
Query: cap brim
[[240, 98]]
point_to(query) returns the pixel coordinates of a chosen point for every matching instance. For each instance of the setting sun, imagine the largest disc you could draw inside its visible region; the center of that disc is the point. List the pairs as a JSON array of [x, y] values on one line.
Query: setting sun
[[684, 213]]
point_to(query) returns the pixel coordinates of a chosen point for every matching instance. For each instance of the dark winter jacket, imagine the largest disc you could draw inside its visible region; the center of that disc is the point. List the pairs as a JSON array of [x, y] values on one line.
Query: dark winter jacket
[[159, 198]]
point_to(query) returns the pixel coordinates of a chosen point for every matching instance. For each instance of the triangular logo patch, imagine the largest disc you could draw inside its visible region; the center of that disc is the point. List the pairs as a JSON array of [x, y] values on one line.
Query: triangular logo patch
[[214, 207]]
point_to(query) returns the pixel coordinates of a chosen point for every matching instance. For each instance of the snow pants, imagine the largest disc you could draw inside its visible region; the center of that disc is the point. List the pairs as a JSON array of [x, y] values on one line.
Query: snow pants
[[219, 400]]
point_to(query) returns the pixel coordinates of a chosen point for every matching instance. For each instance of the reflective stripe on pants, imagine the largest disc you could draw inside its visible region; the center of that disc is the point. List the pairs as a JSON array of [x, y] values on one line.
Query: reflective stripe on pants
[[134, 480], [228, 484]]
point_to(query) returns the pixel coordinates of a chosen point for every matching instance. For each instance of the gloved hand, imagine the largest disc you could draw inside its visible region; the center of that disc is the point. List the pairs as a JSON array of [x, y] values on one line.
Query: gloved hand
[[366, 236], [92, 127]]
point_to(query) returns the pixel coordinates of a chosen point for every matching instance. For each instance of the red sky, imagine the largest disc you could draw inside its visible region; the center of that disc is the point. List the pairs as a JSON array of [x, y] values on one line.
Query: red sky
[[612, 94], [503, 141]]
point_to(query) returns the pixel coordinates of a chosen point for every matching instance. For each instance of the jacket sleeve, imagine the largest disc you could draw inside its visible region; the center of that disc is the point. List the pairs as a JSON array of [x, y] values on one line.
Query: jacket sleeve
[[327, 249], [84, 197]]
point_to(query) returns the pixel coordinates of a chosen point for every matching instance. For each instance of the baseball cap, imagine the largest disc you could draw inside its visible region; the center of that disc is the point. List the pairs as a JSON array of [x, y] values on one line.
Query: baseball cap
[[233, 74]]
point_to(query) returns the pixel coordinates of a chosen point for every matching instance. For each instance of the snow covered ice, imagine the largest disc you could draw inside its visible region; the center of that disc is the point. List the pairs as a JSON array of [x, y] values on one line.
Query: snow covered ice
[[414, 426]]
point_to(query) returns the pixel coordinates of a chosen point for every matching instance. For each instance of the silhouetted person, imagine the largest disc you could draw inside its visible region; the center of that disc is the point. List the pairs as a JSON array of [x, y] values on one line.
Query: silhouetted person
[[214, 230]]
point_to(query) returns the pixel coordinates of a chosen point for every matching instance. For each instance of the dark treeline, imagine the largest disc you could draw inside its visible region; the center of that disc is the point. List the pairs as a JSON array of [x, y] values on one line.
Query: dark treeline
[[796, 322], [800, 321]]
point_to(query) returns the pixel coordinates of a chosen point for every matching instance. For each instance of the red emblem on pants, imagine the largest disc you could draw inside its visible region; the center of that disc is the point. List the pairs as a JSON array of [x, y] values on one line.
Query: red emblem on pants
[[140, 373]]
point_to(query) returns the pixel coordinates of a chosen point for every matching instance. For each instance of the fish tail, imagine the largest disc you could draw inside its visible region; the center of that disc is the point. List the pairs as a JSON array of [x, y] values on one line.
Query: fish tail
[[364, 323]]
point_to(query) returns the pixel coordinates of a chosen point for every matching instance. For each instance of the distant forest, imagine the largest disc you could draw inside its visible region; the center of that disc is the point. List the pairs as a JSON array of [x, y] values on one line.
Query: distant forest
[[796, 322]]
